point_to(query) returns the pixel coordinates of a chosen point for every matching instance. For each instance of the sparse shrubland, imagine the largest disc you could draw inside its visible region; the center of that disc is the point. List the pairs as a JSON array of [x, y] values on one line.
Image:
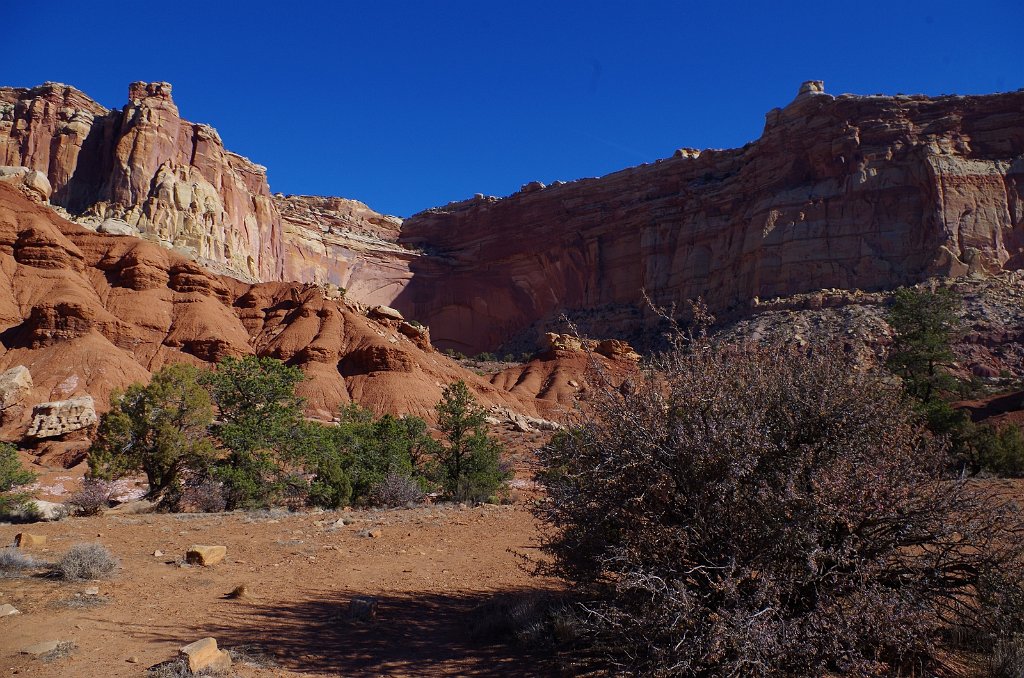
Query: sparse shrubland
[[768, 512], [261, 451]]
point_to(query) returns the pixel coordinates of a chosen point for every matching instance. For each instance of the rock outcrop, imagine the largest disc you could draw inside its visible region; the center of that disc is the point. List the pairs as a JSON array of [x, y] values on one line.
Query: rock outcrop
[[88, 313], [145, 171], [57, 418], [144, 165], [866, 192], [344, 243]]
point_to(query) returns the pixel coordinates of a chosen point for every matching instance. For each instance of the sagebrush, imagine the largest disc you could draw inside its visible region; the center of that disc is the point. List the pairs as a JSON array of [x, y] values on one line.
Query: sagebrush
[[768, 512]]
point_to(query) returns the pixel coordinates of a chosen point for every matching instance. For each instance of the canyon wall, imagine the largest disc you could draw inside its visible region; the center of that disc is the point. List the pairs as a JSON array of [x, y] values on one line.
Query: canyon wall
[[853, 192], [143, 170], [88, 313]]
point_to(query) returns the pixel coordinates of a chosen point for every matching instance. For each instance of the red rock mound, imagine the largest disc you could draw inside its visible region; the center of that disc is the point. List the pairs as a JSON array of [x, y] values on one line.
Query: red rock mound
[[90, 313]]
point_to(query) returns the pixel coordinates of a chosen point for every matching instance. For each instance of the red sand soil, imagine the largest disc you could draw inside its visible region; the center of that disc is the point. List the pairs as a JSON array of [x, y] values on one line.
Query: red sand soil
[[429, 568]]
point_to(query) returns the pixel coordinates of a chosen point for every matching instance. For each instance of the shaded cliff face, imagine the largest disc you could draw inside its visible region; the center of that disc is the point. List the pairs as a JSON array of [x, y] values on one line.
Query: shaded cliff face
[[89, 313], [839, 192], [169, 178]]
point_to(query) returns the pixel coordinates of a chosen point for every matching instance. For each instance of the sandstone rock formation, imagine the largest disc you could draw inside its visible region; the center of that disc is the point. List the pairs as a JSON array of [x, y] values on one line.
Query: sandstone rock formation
[[846, 192], [15, 384], [54, 419], [345, 243], [171, 179], [88, 313], [143, 170]]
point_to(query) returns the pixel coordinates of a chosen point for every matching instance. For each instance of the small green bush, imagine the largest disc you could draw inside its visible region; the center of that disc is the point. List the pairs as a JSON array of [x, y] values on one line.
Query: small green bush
[[12, 476]]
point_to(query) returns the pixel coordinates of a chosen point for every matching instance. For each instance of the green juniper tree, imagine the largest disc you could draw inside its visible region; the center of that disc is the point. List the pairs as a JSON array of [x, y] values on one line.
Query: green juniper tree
[[160, 429], [260, 425], [469, 465], [924, 325]]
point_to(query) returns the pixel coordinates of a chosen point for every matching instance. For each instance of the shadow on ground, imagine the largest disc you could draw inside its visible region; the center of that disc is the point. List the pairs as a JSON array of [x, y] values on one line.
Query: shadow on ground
[[464, 634]]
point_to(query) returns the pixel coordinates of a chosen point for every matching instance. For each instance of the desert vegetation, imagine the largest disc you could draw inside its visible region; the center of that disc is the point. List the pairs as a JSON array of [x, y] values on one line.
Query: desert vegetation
[[925, 325], [236, 437], [769, 512], [12, 477]]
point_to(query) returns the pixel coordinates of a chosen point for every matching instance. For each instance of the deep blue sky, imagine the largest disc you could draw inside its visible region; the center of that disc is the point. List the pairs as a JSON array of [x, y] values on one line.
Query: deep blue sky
[[408, 105]]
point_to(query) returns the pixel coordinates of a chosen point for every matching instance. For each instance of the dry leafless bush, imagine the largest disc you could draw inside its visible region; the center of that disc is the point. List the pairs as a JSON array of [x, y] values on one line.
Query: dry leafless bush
[[203, 495], [91, 498], [395, 490], [14, 561], [768, 512], [85, 561]]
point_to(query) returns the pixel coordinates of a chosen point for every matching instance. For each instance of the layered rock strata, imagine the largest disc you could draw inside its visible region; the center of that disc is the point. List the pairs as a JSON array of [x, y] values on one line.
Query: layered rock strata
[[88, 313], [849, 192], [144, 165]]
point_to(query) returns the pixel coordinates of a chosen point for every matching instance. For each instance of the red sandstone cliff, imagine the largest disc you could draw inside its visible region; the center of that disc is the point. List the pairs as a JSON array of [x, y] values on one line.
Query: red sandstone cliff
[[145, 171], [88, 313], [849, 192]]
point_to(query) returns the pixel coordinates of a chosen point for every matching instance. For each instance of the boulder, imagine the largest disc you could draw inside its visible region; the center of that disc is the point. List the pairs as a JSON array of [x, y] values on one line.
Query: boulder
[[8, 610], [561, 342], [205, 555], [385, 313], [44, 647], [204, 655], [15, 384], [26, 540], [31, 182], [117, 227], [617, 350], [59, 417]]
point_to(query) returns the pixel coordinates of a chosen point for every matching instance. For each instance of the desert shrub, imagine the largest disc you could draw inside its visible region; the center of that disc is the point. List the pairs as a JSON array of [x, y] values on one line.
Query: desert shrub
[[14, 561], [997, 449], [159, 429], [260, 427], [12, 476], [1007, 658], [202, 494], [469, 463], [91, 498], [85, 561], [395, 490], [764, 513], [375, 448]]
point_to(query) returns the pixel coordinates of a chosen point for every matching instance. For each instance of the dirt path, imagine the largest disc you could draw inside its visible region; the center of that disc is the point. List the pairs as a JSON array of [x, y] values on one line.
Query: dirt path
[[429, 569]]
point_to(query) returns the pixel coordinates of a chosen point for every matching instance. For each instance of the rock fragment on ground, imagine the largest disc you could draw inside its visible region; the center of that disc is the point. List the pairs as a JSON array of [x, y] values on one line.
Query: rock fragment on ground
[[205, 555], [27, 540], [204, 655]]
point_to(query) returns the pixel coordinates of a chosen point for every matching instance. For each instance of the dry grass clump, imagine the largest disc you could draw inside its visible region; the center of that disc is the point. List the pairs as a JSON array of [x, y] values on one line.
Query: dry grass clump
[[85, 561], [14, 561]]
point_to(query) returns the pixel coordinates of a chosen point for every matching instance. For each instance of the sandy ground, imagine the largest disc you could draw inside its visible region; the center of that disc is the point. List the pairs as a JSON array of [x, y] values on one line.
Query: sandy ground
[[430, 567]]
